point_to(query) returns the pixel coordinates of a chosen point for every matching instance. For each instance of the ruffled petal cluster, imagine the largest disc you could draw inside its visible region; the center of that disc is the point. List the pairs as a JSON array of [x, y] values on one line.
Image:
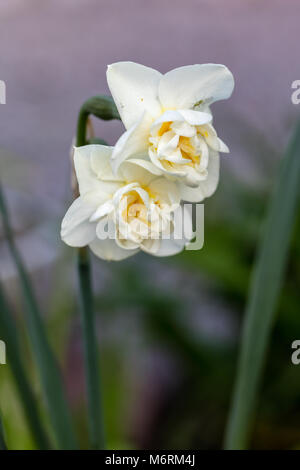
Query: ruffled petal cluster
[[131, 194]]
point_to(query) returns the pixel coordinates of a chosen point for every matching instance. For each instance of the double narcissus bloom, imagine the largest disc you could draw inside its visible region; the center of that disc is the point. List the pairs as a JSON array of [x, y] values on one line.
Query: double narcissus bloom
[[169, 123], [129, 194], [117, 215]]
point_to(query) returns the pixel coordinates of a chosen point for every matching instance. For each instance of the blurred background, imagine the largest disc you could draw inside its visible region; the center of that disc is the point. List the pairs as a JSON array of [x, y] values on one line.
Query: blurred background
[[168, 335]]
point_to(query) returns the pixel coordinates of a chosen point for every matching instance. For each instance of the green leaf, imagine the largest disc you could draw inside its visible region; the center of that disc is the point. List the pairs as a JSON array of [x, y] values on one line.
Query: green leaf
[[48, 368], [267, 279], [8, 332]]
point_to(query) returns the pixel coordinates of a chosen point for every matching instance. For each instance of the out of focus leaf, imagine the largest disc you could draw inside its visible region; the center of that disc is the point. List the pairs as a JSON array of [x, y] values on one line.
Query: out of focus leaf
[[265, 288], [46, 362], [2, 438], [220, 259], [8, 332]]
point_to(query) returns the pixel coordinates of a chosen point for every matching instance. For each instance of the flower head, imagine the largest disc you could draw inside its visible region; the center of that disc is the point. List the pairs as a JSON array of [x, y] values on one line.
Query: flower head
[[119, 214], [168, 120]]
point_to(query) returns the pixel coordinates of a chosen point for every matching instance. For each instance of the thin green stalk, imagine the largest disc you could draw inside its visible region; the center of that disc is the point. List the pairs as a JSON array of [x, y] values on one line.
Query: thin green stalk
[[2, 438], [46, 363], [8, 333], [103, 108], [81, 127], [95, 413], [264, 291]]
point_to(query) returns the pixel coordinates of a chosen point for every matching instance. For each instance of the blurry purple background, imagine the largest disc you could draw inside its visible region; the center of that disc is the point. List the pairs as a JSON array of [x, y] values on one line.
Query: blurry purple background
[[53, 56]]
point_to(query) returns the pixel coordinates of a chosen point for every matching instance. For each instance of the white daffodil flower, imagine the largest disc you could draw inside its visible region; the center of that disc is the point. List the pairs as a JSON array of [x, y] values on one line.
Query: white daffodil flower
[[169, 123], [119, 214]]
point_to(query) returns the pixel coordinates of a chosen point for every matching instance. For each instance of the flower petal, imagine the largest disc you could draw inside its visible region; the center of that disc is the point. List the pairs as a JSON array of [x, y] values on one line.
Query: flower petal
[[167, 116], [126, 244], [132, 142], [76, 230], [134, 88], [183, 232], [100, 163], [150, 245], [212, 139], [222, 146], [134, 172], [183, 128], [185, 87], [167, 248], [172, 172], [195, 118], [102, 210], [166, 190], [109, 250], [125, 189], [206, 187], [146, 164], [91, 163]]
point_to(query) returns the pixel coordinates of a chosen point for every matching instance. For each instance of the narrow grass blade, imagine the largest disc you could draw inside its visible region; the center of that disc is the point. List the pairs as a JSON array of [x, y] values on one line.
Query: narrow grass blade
[[46, 363], [265, 288], [8, 333], [2, 438]]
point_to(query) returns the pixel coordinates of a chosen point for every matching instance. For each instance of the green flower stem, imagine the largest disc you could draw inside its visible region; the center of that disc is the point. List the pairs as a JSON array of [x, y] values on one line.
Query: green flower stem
[[46, 363], [95, 413], [267, 278], [104, 108], [81, 127]]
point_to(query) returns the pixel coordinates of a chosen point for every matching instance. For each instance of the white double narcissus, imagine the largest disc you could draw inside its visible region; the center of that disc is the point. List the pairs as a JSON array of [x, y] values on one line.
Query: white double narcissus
[[169, 123], [137, 207]]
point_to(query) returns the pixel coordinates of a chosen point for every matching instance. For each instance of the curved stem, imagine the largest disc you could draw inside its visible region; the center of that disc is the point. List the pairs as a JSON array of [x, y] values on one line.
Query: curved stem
[[81, 127]]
